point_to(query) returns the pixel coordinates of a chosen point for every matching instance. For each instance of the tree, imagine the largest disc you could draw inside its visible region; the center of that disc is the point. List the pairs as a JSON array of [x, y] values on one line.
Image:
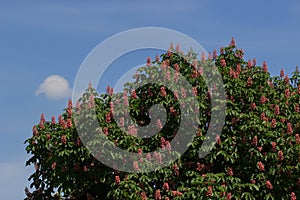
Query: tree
[[257, 156]]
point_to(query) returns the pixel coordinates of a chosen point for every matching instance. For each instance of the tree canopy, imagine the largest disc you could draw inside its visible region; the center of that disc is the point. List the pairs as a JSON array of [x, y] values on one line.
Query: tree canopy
[[256, 156]]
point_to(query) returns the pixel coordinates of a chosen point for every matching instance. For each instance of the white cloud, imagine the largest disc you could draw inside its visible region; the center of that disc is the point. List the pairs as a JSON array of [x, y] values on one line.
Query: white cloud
[[55, 87]]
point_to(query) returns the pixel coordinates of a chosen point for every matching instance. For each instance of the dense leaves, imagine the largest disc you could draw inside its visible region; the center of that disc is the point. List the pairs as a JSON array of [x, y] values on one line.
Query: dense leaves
[[257, 156]]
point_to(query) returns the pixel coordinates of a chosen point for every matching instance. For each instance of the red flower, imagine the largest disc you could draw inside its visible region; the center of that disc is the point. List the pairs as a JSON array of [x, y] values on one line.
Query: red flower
[[261, 166], [183, 93], [296, 108], [163, 91], [230, 171], [273, 123], [195, 92], [148, 156], [111, 107], [157, 157], [176, 193], [117, 180], [223, 62], [132, 130], [91, 101], [167, 75], [263, 99], [177, 48], [265, 66], [166, 186], [35, 131], [41, 124], [122, 122], [269, 185], [277, 110], [254, 62], [254, 140], [232, 43], [221, 50], [273, 146], [53, 120], [90, 85], [43, 120], [286, 79], [53, 166], [263, 117], [238, 69], [105, 130], [215, 54], [249, 64], [293, 196], [157, 195], [109, 90], [297, 137], [148, 62], [176, 77], [210, 56], [69, 123], [64, 139], [194, 74], [209, 191], [140, 151], [259, 149], [85, 168], [289, 128], [144, 196], [78, 142], [218, 139], [228, 196], [249, 81], [133, 94], [136, 166], [253, 106], [168, 146], [287, 93], [281, 73], [203, 56], [171, 48], [176, 169], [280, 156], [157, 58], [108, 117]]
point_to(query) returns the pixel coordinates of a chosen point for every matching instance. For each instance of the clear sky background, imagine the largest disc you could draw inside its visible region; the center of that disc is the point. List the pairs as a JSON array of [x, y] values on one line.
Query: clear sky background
[[44, 38]]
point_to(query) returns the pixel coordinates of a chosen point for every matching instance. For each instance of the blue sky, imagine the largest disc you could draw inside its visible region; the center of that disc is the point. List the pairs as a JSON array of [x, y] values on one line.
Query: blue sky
[[44, 38]]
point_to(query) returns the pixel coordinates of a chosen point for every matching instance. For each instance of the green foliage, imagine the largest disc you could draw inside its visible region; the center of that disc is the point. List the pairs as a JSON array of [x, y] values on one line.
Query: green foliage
[[257, 156]]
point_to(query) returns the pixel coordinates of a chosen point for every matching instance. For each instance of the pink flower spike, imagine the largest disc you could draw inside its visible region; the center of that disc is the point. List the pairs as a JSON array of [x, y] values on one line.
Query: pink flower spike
[[148, 63], [265, 66], [177, 48], [254, 62], [269, 185], [281, 73], [232, 43], [53, 121], [215, 54], [203, 56], [90, 85], [171, 46]]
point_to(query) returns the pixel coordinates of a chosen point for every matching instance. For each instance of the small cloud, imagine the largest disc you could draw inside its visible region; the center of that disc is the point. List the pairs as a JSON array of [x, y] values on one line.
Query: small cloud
[[54, 87]]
